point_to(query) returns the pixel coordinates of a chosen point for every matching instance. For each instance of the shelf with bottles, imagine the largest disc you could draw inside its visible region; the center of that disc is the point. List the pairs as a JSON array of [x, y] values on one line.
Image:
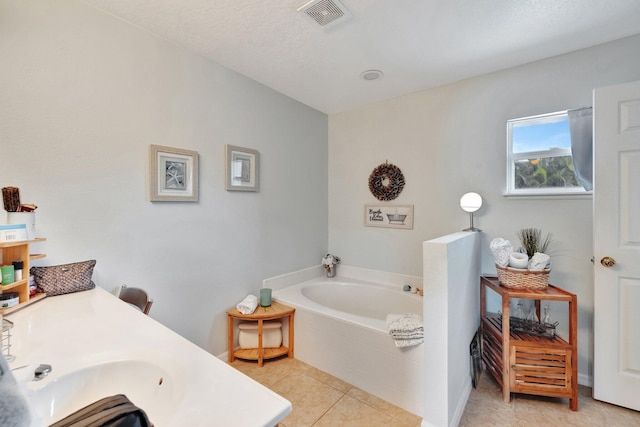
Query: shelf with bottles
[[20, 251]]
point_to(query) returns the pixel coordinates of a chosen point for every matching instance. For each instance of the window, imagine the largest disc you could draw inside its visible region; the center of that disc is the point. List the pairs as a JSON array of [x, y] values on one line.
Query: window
[[539, 158]]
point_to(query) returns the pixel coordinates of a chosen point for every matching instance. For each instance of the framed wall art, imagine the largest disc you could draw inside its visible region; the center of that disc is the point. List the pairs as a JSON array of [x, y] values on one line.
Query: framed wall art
[[173, 174], [391, 216], [242, 169]]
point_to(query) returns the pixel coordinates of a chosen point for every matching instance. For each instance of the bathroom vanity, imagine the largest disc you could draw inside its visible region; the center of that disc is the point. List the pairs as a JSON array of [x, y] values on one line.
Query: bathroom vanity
[[98, 346]]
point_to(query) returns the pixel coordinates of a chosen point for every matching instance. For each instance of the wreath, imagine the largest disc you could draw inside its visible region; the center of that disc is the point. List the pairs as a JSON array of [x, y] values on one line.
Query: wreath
[[386, 182]]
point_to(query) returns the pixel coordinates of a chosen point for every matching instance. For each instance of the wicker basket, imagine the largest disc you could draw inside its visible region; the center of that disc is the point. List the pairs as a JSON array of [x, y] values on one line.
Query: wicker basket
[[522, 279]]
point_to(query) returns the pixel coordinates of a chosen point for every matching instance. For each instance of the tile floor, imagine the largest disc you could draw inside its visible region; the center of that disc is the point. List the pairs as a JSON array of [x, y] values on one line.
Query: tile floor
[[486, 408], [321, 400]]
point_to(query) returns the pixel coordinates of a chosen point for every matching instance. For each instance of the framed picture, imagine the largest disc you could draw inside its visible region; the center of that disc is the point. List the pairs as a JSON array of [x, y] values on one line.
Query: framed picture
[[242, 169], [173, 174], [392, 216]]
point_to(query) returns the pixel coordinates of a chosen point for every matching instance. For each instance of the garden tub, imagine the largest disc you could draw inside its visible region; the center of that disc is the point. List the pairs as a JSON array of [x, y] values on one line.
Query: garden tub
[[340, 328]]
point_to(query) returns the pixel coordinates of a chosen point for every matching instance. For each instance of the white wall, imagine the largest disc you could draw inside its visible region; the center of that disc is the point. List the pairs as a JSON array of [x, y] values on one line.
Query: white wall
[[83, 95], [451, 140], [451, 318]]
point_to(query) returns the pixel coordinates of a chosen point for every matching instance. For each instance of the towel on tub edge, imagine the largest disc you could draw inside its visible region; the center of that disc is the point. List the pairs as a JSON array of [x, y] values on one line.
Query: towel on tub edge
[[406, 329], [248, 304]]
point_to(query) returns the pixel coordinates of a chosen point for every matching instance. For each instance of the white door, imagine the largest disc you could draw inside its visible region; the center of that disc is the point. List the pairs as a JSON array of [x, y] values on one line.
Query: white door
[[616, 219]]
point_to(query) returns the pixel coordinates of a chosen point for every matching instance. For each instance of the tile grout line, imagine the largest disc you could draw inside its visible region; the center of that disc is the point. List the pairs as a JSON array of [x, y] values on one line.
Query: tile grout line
[[326, 380], [330, 407]]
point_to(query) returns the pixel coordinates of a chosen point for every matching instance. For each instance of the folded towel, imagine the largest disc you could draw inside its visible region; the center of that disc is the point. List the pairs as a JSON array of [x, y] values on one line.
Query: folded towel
[[248, 305], [409, 343], [408, 335], [406, 329], [403, 322]]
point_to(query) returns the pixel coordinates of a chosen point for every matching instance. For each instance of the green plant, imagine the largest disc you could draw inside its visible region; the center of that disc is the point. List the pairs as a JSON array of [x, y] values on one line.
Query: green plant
[[546, 172], [532, 241]]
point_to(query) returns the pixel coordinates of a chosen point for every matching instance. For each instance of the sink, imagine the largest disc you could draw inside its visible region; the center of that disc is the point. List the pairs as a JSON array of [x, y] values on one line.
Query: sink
[[155, 387]]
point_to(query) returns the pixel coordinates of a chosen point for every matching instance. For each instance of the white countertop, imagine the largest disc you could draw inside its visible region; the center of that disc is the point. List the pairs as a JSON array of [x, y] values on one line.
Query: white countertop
[[94, 326]]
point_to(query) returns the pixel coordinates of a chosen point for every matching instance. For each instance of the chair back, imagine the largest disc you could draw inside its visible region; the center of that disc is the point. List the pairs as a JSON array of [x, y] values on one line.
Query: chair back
[[136, 297]]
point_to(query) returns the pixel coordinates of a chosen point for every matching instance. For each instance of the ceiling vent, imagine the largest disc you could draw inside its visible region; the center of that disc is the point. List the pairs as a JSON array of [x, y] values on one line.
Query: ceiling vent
[[326, 13]]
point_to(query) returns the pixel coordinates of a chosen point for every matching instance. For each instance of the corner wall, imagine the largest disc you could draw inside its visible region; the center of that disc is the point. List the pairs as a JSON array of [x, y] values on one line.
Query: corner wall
[[83, 95], [451, 140], [451, 318]]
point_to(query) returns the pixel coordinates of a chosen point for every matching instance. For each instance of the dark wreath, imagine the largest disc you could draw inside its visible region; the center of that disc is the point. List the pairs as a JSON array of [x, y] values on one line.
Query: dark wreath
[[386, 182]]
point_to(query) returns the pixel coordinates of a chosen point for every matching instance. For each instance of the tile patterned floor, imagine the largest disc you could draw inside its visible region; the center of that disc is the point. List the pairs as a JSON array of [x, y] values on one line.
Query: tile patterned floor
[[321, 400], [486, 408]]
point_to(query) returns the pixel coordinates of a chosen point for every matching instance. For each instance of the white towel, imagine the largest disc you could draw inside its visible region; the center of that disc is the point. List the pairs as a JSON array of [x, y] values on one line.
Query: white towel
[[248, 305], [539, 261], [501, 250], [406, 329]]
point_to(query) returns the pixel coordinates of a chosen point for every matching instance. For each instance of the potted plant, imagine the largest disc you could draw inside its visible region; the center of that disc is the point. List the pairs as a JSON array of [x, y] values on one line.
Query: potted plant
[[532, 241], [329, 263]]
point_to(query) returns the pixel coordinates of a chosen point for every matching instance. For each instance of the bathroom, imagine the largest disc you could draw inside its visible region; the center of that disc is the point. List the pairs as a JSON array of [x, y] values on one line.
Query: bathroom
[[91, 103]]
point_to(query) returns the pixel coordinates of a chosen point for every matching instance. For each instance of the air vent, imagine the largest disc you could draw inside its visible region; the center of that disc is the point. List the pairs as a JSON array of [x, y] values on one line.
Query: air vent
[[326, 13]]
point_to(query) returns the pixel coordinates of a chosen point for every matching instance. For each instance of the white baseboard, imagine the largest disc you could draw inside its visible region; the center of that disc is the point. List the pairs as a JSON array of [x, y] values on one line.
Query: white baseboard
[[586, 380], [462, 403]]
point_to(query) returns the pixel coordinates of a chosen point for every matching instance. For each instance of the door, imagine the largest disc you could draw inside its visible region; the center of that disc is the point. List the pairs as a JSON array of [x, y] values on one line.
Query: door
[[616, 233]]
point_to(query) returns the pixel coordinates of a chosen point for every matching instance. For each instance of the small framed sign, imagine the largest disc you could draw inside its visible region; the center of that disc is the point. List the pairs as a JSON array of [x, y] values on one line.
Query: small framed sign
[[242, 169], [391, 216]]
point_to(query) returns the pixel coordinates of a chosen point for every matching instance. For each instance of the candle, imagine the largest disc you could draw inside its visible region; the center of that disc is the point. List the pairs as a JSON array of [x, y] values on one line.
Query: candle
[[265, 297]]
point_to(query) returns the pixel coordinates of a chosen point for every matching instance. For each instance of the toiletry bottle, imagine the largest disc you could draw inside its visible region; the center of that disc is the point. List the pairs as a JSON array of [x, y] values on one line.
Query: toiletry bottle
[[547, 316], [32, 286], [17, 270]]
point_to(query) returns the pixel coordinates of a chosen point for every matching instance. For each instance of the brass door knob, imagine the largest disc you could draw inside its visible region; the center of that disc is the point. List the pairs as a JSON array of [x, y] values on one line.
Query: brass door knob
[[608, 262]]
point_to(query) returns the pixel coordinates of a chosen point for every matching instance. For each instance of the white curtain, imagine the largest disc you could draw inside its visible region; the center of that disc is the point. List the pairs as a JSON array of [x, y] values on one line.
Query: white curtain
[[581, 129]]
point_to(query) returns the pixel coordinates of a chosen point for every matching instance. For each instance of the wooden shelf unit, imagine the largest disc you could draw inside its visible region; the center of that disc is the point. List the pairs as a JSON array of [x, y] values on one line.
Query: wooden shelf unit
[[524, 363], [19, 251], [273, 312]]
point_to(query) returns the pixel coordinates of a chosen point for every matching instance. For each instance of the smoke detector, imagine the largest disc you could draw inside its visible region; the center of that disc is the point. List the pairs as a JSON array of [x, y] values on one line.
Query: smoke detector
[[326, 13]]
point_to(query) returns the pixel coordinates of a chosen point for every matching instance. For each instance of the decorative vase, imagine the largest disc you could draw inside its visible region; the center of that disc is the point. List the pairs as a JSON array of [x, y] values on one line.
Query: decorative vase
[[331, 270], [265, 297]]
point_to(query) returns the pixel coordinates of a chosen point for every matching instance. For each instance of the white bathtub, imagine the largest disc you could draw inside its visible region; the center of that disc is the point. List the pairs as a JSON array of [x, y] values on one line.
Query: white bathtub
[[340, 328]]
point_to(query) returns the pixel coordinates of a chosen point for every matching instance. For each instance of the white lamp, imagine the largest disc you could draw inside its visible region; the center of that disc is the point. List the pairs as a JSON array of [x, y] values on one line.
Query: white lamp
[[471, 202]]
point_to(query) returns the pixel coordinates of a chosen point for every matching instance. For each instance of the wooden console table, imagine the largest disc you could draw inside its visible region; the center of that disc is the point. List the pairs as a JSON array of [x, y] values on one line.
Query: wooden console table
[[524, 363], [275, 311]]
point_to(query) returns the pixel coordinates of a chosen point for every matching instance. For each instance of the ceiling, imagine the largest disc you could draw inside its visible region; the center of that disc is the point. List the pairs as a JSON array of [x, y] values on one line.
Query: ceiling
[[417, 44]]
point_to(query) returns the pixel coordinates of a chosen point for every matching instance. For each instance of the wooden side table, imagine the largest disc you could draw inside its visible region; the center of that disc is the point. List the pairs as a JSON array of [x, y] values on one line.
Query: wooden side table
[[275, 311], [524, 363]]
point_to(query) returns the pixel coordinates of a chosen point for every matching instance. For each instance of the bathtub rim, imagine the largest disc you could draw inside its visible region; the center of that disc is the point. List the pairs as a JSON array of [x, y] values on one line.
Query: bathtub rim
[[284, 295]]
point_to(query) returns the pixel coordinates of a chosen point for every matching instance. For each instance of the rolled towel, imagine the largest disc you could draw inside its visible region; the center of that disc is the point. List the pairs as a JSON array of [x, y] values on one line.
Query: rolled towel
[[539, 261], [501, 250], [248, 305]]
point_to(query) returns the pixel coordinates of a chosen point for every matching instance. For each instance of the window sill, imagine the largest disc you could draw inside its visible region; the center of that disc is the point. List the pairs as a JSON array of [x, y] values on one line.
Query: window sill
[[551, 196]]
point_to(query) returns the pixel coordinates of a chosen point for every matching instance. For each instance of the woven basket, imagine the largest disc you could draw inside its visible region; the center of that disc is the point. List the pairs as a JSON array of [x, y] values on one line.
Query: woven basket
[[522, 279]]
